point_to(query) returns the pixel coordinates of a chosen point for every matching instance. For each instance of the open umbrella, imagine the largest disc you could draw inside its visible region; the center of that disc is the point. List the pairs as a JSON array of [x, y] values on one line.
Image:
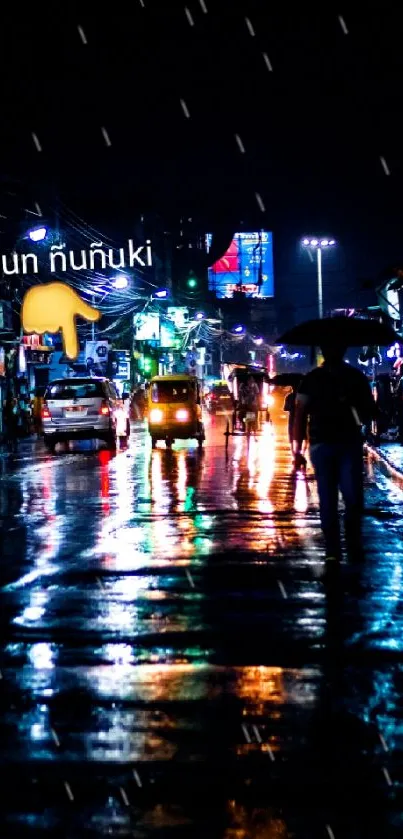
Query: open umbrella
[[286, 379], [353, 332]]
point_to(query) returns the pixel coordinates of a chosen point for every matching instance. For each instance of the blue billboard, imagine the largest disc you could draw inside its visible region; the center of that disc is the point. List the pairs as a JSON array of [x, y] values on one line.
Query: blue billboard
[[246, 266]]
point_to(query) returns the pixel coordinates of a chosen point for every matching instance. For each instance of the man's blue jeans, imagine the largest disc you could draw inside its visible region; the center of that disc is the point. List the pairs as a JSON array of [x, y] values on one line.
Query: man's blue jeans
[[339, 466]]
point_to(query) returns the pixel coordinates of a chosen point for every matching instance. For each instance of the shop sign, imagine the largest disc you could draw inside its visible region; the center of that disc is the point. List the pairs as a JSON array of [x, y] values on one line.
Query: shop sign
[[6, 316], [96, 357], [120, 364], [37, 356], [167, 334], [179, 315], [37, 342], [146, 326], [22, 361]]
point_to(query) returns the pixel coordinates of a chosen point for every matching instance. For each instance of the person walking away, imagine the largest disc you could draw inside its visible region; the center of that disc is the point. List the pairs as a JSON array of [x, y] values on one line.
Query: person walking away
[[37, 403], [250, 395], [138, 404], [249, 398], [335, 400], [253, 401], [289, 407], [25, 416], [240, 405], [12, 417], [121, 416]]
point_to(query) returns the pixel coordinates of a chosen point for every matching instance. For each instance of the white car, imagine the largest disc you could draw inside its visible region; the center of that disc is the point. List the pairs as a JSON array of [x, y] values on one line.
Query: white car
[[80, 409]]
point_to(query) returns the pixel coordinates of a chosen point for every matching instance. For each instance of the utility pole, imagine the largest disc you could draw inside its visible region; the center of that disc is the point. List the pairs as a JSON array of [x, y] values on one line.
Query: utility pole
[[93, 322]]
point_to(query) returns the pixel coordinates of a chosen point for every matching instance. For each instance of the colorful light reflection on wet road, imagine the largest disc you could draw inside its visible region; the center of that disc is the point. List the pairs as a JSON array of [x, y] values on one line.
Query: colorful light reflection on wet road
[[169, 652]]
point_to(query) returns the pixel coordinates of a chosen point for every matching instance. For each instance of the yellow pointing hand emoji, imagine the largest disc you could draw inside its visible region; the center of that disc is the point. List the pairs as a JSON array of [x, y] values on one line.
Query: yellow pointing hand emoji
[[54, 306]]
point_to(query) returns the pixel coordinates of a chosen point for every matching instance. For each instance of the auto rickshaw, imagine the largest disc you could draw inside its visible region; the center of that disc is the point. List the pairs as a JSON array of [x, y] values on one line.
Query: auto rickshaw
[[175, 410]]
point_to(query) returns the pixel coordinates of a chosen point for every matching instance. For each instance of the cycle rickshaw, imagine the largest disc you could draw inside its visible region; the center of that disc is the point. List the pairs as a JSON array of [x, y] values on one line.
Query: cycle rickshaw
[[245, 420]]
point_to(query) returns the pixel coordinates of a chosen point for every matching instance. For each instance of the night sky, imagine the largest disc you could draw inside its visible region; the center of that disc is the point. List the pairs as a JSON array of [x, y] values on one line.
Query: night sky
[[227, 112]]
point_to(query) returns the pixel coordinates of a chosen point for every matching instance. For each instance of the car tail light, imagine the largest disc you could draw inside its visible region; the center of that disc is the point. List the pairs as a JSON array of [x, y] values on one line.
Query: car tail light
[[156, 415], [182, 415], [45, 413], [105, 409]]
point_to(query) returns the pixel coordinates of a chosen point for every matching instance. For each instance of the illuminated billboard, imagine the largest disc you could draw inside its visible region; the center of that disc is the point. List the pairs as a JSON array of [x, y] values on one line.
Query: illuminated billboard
[[179, 315], [246, 266], [147, 326], [167, 334]]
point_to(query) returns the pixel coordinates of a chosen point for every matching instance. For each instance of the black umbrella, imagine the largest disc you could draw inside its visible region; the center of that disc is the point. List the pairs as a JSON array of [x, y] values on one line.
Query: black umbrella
[[352, 332], [286, 379]]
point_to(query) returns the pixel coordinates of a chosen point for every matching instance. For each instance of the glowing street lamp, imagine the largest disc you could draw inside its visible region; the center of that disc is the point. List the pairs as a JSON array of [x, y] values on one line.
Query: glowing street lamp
[[319, 245], [38, 234], [120, 282], [161, 294]]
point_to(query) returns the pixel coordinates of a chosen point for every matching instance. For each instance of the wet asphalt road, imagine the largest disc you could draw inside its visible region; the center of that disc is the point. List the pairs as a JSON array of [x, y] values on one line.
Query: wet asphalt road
[[171, 665]]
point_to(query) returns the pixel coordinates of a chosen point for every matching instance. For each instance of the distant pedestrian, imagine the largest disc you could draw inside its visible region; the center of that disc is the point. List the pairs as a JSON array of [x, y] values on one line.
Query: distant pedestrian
[[249, 395], [249, 400], [37, 404], [122, 422], [25, 416], [12, 418], [336, 402], [138, 403], [289, 407]]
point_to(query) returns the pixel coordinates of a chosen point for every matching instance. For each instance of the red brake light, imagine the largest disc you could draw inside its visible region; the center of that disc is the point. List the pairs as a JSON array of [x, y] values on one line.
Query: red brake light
[[45, 413], [104, 409]]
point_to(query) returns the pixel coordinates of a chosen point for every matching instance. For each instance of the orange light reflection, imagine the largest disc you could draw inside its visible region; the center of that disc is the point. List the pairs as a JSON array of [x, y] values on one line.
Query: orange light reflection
[[182, 475], [301, 494]]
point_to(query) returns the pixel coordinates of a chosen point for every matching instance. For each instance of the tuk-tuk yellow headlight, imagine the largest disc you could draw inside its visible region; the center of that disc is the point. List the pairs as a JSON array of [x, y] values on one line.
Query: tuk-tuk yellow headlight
[[182, 415], [156, 415]]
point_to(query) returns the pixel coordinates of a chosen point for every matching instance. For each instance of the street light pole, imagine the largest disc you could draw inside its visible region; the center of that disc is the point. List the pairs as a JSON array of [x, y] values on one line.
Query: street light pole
[[220, 315], [319, 245], [93, 322], [320, 283]]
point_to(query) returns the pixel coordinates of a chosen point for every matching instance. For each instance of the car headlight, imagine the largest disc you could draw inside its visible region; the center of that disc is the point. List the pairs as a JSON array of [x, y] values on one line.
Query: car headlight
[[182, 415], [156, 415]]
